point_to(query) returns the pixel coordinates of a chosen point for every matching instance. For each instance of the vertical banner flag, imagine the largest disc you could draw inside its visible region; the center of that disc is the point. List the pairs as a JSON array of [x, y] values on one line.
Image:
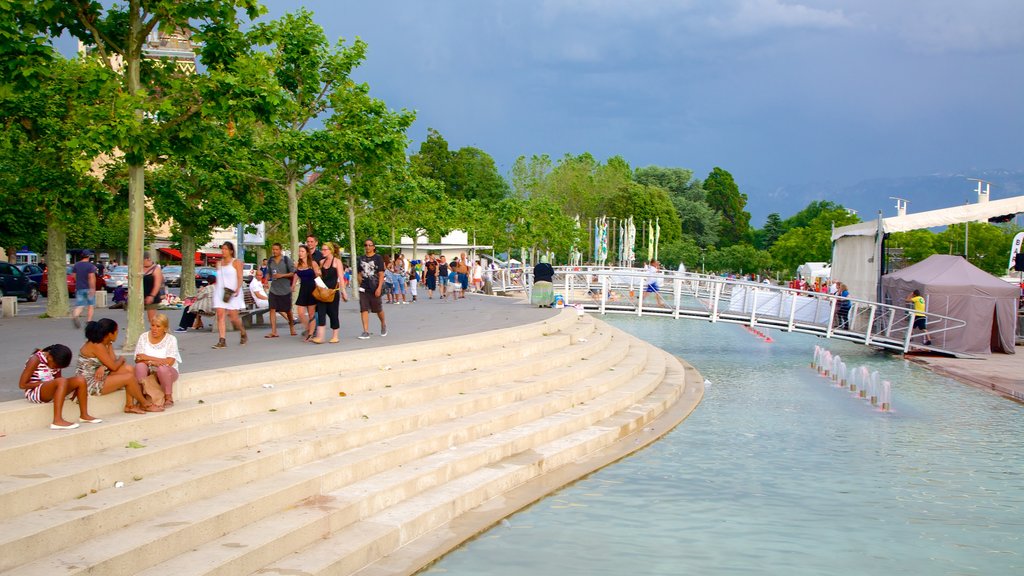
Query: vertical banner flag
[[1015, 247]]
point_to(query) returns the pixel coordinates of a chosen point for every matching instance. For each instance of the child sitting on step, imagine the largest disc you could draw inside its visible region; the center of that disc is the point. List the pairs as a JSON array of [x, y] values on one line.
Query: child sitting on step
[[42, 382]]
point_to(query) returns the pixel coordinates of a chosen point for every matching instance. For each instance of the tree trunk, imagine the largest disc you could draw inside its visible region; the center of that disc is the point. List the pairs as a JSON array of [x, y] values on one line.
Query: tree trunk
[[415, 244], [392, 242], [136, 199], [352, 254], [293, 215], [56, 247], [10, 253], [188, 265]]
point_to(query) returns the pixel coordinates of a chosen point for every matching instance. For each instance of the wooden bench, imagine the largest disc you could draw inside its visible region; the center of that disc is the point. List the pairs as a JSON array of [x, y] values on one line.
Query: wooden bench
[[252, 314]]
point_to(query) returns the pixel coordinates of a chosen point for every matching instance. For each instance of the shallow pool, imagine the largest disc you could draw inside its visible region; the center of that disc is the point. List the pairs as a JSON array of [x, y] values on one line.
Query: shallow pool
[[779, 472]]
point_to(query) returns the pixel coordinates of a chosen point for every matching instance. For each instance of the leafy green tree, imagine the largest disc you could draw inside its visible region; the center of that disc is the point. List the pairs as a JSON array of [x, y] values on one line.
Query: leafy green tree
[[467, 173], [724, 196], [646, 204], [678, 181], [155, 99], [684, 251], [916, 244], [528, 176], [46, 145], [740, 259], [368, 142], [308, 72], [767, 236], [810, 243], [988, 245]]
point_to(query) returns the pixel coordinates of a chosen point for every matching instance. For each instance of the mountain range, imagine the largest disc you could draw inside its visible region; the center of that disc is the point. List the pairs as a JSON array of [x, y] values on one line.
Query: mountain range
[[868, 197]]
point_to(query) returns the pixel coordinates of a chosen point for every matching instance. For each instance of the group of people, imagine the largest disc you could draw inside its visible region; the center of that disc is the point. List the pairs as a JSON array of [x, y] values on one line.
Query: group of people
[[99, 371]]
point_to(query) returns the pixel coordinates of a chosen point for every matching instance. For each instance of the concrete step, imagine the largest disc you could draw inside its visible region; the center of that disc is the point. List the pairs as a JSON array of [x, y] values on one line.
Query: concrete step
[[32, 449], [304, 525], [305, 486], [402, 408], [19, 416]]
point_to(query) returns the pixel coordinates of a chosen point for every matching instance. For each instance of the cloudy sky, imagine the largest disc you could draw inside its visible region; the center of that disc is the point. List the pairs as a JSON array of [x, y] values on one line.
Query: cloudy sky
[[779, 92]]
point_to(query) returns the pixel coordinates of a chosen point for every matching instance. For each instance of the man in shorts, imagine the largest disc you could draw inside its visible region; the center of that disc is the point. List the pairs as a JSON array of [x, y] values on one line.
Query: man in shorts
[[919, 321], [370, 277], [652, 284], [85, 288], [280, 271]]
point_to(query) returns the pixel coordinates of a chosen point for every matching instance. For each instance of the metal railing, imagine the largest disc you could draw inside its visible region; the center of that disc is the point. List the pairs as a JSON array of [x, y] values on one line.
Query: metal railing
[[698, 296]]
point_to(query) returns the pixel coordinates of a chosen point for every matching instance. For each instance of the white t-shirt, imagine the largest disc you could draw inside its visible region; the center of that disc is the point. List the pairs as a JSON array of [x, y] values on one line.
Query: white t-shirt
[[259, 294], [653, 275], [166, 348]]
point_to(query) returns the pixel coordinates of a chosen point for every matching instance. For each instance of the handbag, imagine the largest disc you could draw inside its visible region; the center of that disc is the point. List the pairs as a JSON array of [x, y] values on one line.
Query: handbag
[[227, 295], [324, 294]]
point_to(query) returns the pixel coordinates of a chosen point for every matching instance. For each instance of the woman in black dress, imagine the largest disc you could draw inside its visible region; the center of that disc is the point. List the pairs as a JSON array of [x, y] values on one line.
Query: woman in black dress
[[306, 270]]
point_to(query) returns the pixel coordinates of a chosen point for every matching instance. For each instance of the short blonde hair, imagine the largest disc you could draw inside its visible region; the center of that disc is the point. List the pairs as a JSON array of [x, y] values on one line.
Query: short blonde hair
[[162, 321]]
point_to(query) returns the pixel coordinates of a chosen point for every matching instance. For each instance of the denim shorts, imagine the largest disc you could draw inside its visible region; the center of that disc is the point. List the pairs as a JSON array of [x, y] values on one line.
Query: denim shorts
[[82, 298]]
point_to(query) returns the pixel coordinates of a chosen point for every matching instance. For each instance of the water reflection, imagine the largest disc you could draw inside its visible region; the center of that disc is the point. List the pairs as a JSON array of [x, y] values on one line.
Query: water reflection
[[780, 472]]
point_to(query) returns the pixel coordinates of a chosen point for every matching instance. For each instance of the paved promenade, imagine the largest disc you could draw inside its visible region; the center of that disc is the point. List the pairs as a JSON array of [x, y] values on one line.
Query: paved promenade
[[414, 322], [1001, 374]]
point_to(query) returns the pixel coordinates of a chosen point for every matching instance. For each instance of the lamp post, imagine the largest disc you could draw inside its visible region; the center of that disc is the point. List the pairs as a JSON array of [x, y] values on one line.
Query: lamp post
[[702, 250]]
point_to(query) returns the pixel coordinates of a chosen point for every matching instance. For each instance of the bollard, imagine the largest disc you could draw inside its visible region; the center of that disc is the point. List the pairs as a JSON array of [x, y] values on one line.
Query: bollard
[[9, 304]]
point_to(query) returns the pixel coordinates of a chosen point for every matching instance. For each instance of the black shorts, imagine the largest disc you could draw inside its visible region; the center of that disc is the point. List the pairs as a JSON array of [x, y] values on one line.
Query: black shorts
[[369, 302], [282, 302], [921, 323]]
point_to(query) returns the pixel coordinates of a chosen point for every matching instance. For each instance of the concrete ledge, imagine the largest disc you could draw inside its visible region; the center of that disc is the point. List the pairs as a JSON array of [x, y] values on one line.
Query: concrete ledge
[[430, 547]]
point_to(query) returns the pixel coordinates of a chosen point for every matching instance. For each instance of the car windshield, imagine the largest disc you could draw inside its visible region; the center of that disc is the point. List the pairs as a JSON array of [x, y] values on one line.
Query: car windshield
[[172, 269], [119, 270]]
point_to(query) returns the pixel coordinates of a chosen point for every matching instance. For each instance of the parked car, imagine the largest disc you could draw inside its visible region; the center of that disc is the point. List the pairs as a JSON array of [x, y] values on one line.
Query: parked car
[[116, 275], [33, 271], [205, 275], [172, 275], [14, 282], [248, 270], [44, 286]]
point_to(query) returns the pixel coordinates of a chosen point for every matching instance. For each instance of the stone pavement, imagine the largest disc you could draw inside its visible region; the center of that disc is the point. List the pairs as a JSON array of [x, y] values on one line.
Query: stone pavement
[[423, 320], [1002, 374]]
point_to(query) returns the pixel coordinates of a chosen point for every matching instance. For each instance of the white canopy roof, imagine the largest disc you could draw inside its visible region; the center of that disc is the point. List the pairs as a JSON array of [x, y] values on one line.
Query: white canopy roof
[[934, 218]]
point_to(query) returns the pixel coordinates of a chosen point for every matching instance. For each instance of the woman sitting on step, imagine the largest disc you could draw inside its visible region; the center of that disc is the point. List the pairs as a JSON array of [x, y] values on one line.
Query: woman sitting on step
[[157, 353], [104, 372]]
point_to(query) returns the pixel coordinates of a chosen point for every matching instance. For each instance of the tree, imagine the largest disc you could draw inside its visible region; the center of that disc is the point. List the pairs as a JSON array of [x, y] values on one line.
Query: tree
[[740, 259], [367, 146], [811, 243], [916, 244], [308, 73], [155, 98], [988, 245], [767, 236], [528, 176], [45, 149], [646, 204], [468, 173], [724, 196], [678, 181]]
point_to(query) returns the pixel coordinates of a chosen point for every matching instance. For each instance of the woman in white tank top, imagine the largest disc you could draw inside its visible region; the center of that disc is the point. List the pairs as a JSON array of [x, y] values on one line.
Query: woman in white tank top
[[227, 295]]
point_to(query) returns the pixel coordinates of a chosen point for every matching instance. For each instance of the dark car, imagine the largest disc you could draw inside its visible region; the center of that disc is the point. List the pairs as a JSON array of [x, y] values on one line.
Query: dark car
[[44, 286], [172, 275], [14, 282], [33, 271]]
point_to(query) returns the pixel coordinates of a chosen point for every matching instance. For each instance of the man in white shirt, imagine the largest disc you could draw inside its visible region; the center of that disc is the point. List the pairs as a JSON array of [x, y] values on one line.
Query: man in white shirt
[[652, 281], [259, 293]]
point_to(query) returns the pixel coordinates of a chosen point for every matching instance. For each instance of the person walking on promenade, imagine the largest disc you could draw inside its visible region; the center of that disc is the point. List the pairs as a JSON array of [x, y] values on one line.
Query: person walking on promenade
[[843, 306], [227, 296], [152, 286], [330, 275], [85, 288], [652, 283], [430, 275], [414, 279], [157, 353], [919, 322], [442, 277], [306, 270], [370, 276], [42, 382], [281, 275], [314, 250]]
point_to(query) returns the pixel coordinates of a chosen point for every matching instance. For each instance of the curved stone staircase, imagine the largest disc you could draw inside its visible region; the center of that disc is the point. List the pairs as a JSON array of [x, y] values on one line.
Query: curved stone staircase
[[355, 462]]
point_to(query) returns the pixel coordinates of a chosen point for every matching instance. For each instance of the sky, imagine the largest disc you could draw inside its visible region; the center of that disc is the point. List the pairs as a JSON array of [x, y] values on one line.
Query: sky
[[780, 93]]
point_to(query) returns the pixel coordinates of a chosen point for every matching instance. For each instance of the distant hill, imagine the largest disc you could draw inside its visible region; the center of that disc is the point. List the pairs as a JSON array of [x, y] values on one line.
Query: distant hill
[[869, 196]]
